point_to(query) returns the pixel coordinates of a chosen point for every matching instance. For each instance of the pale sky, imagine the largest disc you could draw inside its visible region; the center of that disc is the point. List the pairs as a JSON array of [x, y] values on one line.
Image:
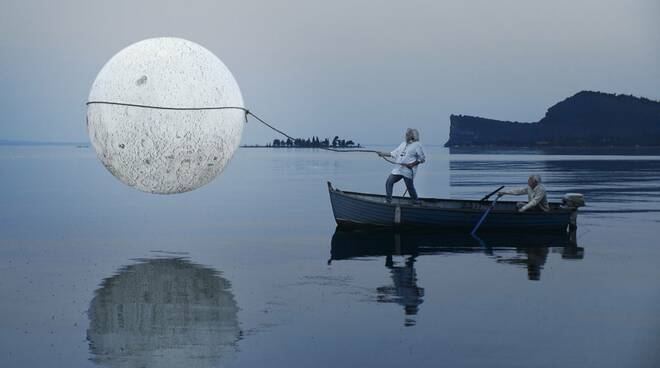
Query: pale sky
[[365, 70]]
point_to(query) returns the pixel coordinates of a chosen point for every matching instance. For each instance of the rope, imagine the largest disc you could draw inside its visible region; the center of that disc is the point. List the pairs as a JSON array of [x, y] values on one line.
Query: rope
[[247, 112], [166, 108]]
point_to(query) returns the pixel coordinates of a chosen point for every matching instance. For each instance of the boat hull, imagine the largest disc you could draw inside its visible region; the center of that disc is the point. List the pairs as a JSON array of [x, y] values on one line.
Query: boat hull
[[352, 209]]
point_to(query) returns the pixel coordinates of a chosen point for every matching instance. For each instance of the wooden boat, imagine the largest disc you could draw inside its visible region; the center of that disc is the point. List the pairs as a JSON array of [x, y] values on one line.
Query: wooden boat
[[353, 209]]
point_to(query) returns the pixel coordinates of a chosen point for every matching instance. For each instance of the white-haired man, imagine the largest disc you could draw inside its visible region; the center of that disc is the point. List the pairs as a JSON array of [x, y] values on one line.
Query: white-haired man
[[536, 195], [407, 156]]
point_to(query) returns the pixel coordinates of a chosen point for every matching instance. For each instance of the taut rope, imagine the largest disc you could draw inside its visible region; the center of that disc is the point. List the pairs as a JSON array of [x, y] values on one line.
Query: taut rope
[[247, 112]]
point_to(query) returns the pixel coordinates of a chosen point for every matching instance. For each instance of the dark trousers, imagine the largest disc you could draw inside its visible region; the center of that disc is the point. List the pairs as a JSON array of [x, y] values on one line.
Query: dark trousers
[[389, 184]]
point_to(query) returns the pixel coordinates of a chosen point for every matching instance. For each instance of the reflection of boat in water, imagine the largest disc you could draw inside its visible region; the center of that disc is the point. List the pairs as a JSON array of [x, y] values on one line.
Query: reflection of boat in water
[[521, 249], [163, 313], [348, 244], [353, 209]]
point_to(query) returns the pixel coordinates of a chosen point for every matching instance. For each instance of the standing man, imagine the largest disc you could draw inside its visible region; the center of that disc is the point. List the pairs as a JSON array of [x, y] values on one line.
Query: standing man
[[536, 195], [407, 156]]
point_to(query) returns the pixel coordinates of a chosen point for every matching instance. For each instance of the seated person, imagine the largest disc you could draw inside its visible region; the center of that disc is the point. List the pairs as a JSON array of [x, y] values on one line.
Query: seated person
[[536, 195]]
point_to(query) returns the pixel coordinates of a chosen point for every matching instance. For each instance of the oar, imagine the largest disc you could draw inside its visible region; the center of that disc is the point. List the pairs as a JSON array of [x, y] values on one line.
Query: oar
[[483, 217], [484, 199]]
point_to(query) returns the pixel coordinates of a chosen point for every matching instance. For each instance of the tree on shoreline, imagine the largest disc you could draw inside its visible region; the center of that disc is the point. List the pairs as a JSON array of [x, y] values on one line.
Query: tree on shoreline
[[313, 142]]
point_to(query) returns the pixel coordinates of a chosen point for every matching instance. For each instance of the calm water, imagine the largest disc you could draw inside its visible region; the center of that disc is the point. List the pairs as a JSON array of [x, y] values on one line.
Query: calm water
[[249, 271]]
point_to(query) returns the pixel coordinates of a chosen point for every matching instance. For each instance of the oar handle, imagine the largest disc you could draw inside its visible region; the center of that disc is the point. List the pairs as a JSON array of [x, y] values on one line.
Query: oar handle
[[484, 199]]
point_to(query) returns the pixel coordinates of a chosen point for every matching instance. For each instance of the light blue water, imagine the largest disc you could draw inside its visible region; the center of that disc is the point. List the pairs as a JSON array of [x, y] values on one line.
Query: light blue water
[[236, 273]]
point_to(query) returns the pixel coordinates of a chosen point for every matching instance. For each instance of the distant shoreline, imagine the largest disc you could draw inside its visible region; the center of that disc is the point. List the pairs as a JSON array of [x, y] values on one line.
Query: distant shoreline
[[7, 142], [299, 147], [469, 149], [586, 119], [541, 146]]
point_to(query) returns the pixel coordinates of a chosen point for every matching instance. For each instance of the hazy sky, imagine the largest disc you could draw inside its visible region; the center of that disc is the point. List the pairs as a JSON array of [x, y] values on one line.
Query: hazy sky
[[360, 69]]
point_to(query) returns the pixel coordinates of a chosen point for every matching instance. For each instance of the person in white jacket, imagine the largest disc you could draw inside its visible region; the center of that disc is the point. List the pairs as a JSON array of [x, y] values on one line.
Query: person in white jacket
[[536, 195], [407, 156]]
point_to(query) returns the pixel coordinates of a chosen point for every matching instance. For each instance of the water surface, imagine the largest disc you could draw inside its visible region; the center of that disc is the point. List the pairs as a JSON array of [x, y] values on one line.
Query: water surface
[[249, 270]]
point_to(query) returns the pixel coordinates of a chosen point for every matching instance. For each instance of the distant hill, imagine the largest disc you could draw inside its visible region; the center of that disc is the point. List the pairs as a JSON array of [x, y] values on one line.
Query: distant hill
[[586, 119]]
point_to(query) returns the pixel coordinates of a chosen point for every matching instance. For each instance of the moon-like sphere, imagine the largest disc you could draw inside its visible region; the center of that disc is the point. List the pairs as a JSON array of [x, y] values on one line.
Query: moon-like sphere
[[165, 115]]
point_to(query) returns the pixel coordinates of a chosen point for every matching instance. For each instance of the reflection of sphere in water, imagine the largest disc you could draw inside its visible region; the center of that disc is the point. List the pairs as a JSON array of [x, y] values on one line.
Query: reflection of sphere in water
[[163, 313], [159, 150]]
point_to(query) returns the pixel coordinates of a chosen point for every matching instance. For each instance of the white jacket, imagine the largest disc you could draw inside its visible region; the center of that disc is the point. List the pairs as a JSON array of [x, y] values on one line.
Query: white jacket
[[407, 153], [536, 197]]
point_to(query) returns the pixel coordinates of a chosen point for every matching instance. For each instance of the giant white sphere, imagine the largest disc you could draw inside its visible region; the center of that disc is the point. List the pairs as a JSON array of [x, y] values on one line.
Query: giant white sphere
[[165, 150]]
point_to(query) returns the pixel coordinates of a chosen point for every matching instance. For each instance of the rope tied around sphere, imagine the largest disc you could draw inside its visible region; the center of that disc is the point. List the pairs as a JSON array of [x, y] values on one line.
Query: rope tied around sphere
[[247, 112]]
